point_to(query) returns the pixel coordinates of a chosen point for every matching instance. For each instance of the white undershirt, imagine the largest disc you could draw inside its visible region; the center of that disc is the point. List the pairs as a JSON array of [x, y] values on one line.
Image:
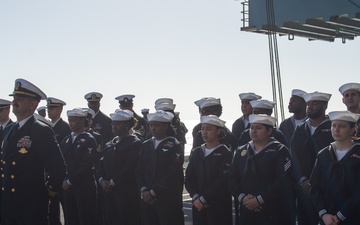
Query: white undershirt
[[157, 142], [208, 151], [297, 122], [341, 153], [312, 129]]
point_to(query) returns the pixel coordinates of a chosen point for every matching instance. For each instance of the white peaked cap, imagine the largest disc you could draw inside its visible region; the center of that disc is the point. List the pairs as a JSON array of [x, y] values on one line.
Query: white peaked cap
[[77, 112], [93, 96], [317, 96], [209, 102], [165, 106], [160, 116], [121, 115], [349, 86], [51, 101], [198, 102], [298, 92], [162, 100], [24, 87], [343, 115], [262, 104], [4, 102], [249, 96], [213, 120], [262, 119]]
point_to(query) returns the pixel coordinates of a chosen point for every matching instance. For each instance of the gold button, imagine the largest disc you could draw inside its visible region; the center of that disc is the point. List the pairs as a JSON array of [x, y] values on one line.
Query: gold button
[[2, 175], [1, 168], [3, 162], [13, 163], [12, 176], [12, 189], [2, 188]]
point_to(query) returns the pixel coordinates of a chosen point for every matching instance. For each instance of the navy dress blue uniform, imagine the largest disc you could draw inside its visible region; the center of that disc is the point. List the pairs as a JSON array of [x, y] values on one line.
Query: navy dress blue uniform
[[335, 184], [304, 148], [26, 154], [80, 199], [238, 127], [122, 202], [160, 170], [207, 177], [267, 176]]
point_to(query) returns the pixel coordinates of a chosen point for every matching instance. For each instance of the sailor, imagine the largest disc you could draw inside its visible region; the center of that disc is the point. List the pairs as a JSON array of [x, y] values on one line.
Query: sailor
[[308, 139], [261, 176], [4, 122], [29, 148], [61, 129], [159, 172], [335, 177], [144, 112], [167, 105], [117, 172], [351, 99], [242, 123], [218, 112], [297, 106], [41, 111], [262, 106], [101, 123], [79, 185], [206, 177], [126, 103], [212, 106]]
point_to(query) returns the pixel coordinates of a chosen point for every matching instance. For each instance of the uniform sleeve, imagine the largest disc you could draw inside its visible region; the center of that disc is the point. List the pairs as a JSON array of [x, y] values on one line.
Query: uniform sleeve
[[52, 158], [191, 180], [316, 190], [235, 176], [139, 173]]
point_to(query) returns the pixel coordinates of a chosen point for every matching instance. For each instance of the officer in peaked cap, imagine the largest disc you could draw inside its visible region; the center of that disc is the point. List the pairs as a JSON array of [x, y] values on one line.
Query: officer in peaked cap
[[142, 126], [242, 123], [297, 106], [4, 122], [145, 112], [101, 123], [29, 147], [61, 130]]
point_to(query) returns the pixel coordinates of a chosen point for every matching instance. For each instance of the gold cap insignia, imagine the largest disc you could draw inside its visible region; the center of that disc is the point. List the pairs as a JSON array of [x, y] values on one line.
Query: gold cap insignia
[[17, 85]]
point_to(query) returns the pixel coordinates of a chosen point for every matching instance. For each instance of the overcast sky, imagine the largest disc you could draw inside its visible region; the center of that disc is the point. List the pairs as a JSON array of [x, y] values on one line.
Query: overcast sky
[[184, 50]]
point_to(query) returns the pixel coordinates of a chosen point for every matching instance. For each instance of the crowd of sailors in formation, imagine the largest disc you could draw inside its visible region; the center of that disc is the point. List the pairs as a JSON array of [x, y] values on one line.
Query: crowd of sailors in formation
[[128, 169]]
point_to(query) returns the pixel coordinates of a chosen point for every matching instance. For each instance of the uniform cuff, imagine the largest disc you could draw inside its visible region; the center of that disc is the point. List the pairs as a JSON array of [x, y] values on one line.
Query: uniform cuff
[[152, 193], [112, 183], [68, 182], [340, 216], [260, 199], [302, 179], [202, 200], [195, 197], [241, 196], [322, 212], [143, 189], [101, 180]]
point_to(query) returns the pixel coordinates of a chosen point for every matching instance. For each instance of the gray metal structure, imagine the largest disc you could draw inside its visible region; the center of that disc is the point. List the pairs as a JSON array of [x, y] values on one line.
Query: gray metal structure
[[313, 19]]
